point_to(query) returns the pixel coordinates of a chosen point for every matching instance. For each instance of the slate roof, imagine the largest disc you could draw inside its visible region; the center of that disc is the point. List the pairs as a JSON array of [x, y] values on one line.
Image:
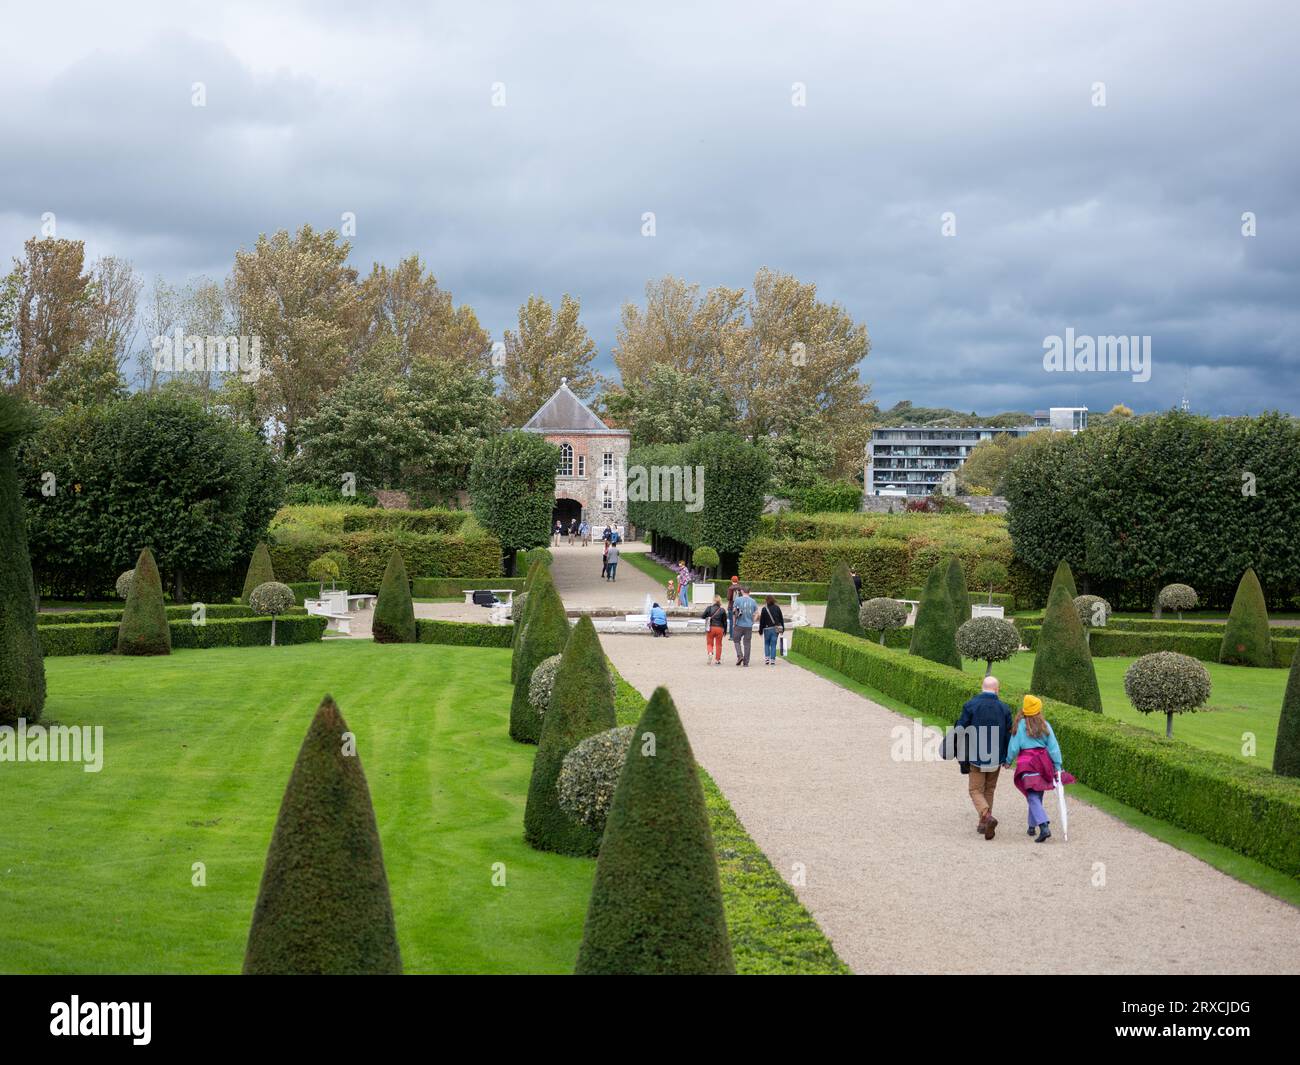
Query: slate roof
[[566, 413]]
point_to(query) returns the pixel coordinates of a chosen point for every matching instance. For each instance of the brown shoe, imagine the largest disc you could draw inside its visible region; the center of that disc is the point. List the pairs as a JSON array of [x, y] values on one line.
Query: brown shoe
[[988, 828], [984, 823]]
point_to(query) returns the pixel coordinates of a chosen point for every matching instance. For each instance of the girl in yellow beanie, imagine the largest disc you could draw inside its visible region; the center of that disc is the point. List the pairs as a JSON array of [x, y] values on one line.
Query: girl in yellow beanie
[[1036, 756]]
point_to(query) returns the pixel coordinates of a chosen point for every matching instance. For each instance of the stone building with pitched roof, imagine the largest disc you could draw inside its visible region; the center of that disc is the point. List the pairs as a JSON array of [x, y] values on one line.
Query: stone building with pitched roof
[[593, 461]]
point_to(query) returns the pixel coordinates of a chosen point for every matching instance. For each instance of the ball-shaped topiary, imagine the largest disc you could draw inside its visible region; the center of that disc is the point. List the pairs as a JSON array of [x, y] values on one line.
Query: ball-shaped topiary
[[1178, 597], [271, 599], [123, 585], [517, 603], [1093, 611], [990, 573], [882, 614], [706, 558], [323, 569], [1167, 683], [589, 774], [988, 640], [543, 683]]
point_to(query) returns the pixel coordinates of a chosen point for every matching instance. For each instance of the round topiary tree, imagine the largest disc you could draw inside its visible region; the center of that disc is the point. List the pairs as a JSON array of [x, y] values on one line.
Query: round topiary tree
[[323, 906], [582, 704], [934, 636], [882, 614], [1286, 752], [988, 640], [394, 620], [706, 558], [22, 664], [1246, 639], [260, 571], [589, 775], [1093, 613], [656, 903], [321, 570], [992, 573], [271, 600], [144, 629], [958, 595], [842, 603], [1063, 667], [543, 683], [1167, 683], [1178, 597], [123, 583]]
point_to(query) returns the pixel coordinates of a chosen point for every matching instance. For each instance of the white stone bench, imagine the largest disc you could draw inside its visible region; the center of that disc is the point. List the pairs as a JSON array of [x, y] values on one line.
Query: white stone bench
[[507, 593], [798, 615], [335, 621], [361, 601]]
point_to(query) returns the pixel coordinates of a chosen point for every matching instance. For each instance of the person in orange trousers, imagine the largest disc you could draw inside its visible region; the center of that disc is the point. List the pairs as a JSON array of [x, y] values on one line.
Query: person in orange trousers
[[715, 618]]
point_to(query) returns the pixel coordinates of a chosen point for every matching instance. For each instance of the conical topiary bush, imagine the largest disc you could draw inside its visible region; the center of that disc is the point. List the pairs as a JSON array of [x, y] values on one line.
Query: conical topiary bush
[[22, 666], [545, 634], [143, 629], [958, 594], [260, 571], [1246, 640], [323, 907], [1063, 575], [1286, 752], [1063, 667], [934, 636], [582, 704], [656, 905], [842, 603], [394, 620], [520, 619]]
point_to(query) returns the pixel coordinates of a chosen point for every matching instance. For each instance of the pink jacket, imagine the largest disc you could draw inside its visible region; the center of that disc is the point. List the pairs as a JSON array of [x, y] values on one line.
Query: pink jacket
[[1036, 772]]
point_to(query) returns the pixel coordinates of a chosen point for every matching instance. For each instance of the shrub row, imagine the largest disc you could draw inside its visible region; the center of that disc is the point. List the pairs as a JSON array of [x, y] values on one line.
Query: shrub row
[[442, 587], [174, 613], [364, 519], [100, 638], [1112, 643], [463, 633], [1249, 810], [362, 556]]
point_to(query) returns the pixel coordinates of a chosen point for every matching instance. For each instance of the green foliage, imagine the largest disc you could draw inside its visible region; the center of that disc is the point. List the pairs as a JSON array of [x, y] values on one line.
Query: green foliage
[[394, 620], [100, 638], [545, 633], [656, 905], [519, 612], [144, 629], [955, 576], [22, 673], [581, 705], [260, 571], [543, 683], [991, 574], [1243, 807], [669, 406], [1093, 611], [1178, 597], [180, 612], [1132, 504], [323, 569], [271, 599], [512, 486], [729, 474], [842, 603], [882, 614], [538, 554], [988, 640], [589, 776], [123, 584], [706, 558], [1065, 577], [1286, 752], [1062, 665], [1116, 642], [323, 906], [431, 520], [1246, 636], [462, 633], [934, 635], [1167, 683], [827, 497]]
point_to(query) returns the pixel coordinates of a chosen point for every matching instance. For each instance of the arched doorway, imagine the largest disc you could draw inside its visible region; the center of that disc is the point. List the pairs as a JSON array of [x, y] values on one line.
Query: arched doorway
[[565, 511]]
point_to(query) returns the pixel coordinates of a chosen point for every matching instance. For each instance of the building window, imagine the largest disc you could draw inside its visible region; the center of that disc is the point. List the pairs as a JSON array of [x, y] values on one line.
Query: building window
[[565, 469], [582, 465], [607, 467], [609, 500]]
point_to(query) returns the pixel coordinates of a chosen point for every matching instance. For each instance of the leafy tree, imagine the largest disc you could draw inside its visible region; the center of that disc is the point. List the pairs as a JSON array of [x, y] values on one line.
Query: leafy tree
[[545, 633], [842, 603], [706, 558], [394, 619], [22, 666], [551, 344], [512, 489], [45, 304], [1246, 639], [323, 569], [144, 629], [1177, 597], [1167, 683], [323, 906], [955, 575], [988, 640], [656, 904], [271, 600], [934, 635], [669, 406], [986, 465], [1063, 667], [882, 614], [1286, 752], [1093, 613], [990, 572], [582, 704], [260, 571]]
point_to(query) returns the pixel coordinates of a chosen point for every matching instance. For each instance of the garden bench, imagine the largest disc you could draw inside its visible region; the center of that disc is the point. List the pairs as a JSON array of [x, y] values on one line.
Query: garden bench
[[507, 593], [363, 601], [335, 620], [795, 612]]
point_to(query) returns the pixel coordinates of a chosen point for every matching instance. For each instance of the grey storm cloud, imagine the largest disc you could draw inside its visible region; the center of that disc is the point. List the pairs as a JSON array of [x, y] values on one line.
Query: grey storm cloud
[[1123, 219]]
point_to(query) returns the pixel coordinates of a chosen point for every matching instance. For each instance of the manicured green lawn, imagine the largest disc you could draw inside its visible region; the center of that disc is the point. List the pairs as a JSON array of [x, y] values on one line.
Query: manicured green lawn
[[96, 868], [640, 560], [1242, 699]]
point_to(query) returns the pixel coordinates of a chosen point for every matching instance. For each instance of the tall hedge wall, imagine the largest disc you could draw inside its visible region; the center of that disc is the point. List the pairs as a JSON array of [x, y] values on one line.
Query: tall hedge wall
[[1250, 810], [362, 556]]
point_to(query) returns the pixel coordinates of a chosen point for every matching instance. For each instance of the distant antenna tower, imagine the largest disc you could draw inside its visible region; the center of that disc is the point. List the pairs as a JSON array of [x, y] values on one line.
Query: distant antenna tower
[[1184, 405]]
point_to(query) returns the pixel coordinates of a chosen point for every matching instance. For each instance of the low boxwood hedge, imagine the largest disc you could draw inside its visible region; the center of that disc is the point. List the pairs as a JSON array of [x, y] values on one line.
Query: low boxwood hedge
[[174, 613], [462, 633], [1249, 810], [99, 638], [1116, 643]]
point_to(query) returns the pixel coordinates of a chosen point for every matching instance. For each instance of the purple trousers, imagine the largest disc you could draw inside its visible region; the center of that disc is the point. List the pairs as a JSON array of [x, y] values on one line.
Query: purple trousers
[[1037, 815]]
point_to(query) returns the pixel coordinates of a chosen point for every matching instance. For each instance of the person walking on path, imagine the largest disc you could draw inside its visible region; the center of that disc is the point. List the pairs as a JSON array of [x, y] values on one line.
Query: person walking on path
[[983, 732], [732, 590], [683, 583], [584, 530], [604, 561], [607, 534], [771, 624], [559, 531], [611, 561], [1036, 756], [743, 609], [715, 618], [573, 530]]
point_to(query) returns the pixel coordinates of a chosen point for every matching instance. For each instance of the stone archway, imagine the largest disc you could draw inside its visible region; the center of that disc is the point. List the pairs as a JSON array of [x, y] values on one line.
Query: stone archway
[[564, 511]]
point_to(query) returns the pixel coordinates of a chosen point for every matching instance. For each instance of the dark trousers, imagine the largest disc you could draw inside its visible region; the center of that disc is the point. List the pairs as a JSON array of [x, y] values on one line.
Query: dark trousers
[[741, 637]]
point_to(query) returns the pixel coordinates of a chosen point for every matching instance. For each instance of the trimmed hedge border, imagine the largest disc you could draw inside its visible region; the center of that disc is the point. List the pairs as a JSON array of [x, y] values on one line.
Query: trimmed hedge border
[[462, 633], [1110, 643], [174, 613], [100, 638], [1249, 810]]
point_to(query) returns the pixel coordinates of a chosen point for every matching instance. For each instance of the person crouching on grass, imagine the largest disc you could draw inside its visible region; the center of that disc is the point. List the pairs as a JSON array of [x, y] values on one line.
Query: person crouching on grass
[[1036, 756]]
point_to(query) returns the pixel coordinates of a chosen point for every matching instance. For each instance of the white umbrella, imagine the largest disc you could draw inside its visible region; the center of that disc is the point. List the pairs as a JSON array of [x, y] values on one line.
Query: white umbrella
[[1060, 803]]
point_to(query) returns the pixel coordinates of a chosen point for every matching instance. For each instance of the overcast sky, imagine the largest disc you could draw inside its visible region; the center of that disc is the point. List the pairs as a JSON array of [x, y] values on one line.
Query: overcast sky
[[1122, 219]]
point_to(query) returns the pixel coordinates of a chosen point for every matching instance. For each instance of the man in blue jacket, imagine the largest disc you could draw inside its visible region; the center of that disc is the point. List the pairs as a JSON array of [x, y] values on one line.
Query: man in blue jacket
[[983, 733]]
